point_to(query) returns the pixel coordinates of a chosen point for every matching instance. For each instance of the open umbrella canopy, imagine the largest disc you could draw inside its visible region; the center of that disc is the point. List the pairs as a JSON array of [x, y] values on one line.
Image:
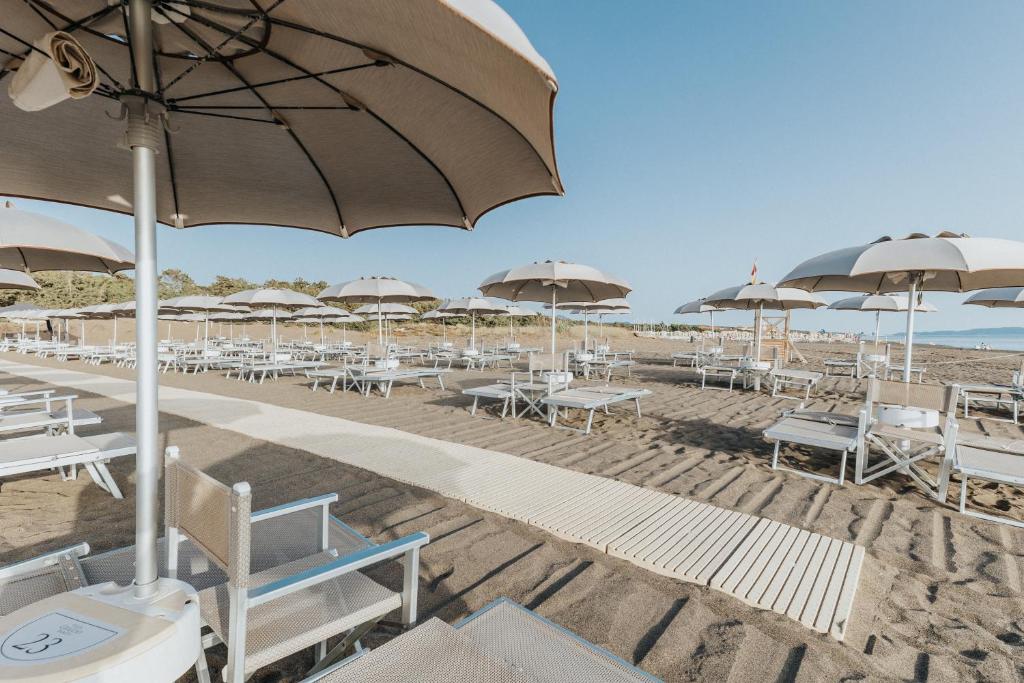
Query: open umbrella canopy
[[282, 299], [999, 297], [698, 306], [385, 309], [551, 281], [197, 303], [759, 296], [519, 312], [376, 289], [309, 100], [322, 312], [19, 311], [948, 262], [605, 305], [438, 314], [14, 279], [879, 303], [31, 241], [473, 305], [97, 312]]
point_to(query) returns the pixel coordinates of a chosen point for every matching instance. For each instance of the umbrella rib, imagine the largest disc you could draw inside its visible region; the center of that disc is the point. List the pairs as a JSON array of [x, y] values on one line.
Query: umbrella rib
[[167, 145], [226, 116], [234, 72], [278, 81], [330, 36], [288, 62]]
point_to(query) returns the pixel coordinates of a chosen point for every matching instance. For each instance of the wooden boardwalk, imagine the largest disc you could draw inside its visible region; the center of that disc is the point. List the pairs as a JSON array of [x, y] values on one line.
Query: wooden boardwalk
[[805, 576]]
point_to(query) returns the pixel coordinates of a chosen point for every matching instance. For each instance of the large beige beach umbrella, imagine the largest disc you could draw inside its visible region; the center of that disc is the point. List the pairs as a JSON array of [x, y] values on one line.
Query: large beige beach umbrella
[[376, 289], [272, 299], [512, 312], [318, 314], [21, 312], [336, 116], [699, 306], [948, 262], [33, 242], [473, 306], [997, 297], [878, 304], [761, 296], [598, 308], [553, 280], [438, 314], [198, 303]]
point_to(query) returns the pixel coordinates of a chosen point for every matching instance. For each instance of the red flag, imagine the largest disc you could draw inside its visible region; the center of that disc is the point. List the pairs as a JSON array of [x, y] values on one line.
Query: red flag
[[753, 273]]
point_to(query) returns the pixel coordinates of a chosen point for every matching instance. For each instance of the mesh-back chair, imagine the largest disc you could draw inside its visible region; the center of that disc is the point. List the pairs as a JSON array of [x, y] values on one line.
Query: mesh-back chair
[[266, 615], [904, 447], [29, 581]]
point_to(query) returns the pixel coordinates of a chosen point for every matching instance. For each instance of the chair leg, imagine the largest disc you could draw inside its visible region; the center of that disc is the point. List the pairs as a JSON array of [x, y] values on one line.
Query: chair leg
[[775, 455], [202, 670]]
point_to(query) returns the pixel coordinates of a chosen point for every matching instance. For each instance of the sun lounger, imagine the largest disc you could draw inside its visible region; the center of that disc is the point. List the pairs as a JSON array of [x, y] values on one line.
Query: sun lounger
[[804, 380], [502, 642], [827, 431], [591, 399], [838, 366], [895, 372], [989, 459], [263, 616], [49, 414], [365, 378], [993, 395], [688, 357], [718, 372], [66, 453]]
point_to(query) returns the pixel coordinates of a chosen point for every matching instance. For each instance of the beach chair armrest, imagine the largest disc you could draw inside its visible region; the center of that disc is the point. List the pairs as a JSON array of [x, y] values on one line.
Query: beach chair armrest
[[42, 561], [295, 506], [408, 545], [45, 400], [22, 394]]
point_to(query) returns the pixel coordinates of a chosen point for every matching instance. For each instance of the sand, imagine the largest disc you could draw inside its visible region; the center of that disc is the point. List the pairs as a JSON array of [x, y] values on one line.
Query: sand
[[940, 595]]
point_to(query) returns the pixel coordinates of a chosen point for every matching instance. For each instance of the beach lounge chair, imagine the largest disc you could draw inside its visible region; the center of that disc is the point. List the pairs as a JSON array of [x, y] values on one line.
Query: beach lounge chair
[[690, 358], [35, 579], [989, 459], [502, 642], [265, 615], [827, 431], [783, 378], [47, 416], [66, 453], [840, 366], [993, 396], [365, 378], [718, 372], [895, 372], [591, 399], [908, 423]]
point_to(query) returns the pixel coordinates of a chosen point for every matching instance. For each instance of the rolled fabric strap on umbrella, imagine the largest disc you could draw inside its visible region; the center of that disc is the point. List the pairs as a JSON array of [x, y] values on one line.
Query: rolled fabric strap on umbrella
[[57, 69]]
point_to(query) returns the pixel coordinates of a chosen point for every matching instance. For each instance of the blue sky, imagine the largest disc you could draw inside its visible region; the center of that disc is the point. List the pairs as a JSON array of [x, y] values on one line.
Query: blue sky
[[694, 137]]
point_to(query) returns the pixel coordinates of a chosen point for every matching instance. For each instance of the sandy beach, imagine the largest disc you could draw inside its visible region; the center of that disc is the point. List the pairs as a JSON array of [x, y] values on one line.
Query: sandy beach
[[940, 595]]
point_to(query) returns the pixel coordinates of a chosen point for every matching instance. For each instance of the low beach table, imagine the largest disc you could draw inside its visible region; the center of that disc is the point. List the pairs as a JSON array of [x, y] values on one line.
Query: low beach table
[[995, 395], [834, 366], [896, 372], [591, 399], [718, 372]]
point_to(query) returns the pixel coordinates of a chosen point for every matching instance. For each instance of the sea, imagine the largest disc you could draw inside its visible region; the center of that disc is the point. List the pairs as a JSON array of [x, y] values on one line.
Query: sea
[[1002, 339]]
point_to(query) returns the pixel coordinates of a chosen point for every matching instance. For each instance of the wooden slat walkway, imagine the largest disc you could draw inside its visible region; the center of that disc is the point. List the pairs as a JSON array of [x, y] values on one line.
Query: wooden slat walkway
[[806, 576]]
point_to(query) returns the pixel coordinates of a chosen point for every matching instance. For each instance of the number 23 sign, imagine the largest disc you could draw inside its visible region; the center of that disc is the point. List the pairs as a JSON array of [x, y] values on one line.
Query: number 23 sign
[[53, 636]]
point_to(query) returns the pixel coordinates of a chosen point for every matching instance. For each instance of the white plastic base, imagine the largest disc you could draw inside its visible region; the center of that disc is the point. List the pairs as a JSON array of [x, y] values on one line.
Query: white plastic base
[[911, 418], [103, 633]]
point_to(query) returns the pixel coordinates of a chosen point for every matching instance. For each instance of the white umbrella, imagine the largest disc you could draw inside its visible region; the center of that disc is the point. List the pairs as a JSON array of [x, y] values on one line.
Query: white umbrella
[[513, 312], [879, 303], [947, 262], [549, 280], [473, 306], [598, 308], [318, 314], [379, 290], [275, 300], [34, 242], [199, 304], [999, 297], [21, 312], [759, 296], [434, 116], [699, 306], [438, 314]]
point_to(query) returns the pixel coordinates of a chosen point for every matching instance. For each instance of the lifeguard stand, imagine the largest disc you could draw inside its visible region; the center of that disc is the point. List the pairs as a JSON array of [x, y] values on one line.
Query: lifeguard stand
[[776, 341]]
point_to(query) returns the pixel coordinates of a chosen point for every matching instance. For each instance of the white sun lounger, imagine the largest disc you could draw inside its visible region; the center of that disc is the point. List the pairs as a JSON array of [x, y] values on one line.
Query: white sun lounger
[[839, 366], [827, 431], [47, 417], [994, 395], [66, 453], [718, 372], [502, 643], [591, 399], [989, 459], [364, 379], [804, 380]]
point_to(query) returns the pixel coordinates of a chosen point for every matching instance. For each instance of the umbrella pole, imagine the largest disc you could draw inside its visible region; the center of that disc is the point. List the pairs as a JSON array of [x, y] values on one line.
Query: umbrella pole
[[554, 309], [115, 330], [380, 324], [757, 338], [144, 133], [586, 330], [206, 332], [321, 331], [909, 341], [712, 323], [878, 320], [472, 343], [273, 332], [81, 325]]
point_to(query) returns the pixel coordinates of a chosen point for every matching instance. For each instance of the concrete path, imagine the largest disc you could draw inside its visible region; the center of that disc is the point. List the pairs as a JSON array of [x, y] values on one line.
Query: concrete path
[[806, 576]]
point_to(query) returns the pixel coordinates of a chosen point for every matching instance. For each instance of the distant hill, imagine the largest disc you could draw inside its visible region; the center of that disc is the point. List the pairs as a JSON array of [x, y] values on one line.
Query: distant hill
[[974, 332]]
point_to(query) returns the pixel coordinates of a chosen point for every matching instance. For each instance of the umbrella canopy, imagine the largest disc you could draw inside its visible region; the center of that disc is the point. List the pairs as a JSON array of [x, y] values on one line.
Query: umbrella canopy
[[699, 306], [13, 279], [948, 262], [377, 289], [275, 300], [551, 280], [18, 311], [759, 296], [196, 303], [340, 117], [440, 315], [97, 312], [322, 312], [879, 303], [598, 308], [999, 297], [473, 306], [386, 309], [33, 242], [443, 111]]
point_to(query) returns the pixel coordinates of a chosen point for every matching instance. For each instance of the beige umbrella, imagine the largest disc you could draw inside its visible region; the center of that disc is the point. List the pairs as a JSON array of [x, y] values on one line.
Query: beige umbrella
[[196, 303], [759, 296], [438, 314], [598, 308], [274, 299], [699, 306], [335, 116], [377, 290], [948, 262], [473, 306], [551, 280], [33, 242], [513, 312], [878, 303]]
